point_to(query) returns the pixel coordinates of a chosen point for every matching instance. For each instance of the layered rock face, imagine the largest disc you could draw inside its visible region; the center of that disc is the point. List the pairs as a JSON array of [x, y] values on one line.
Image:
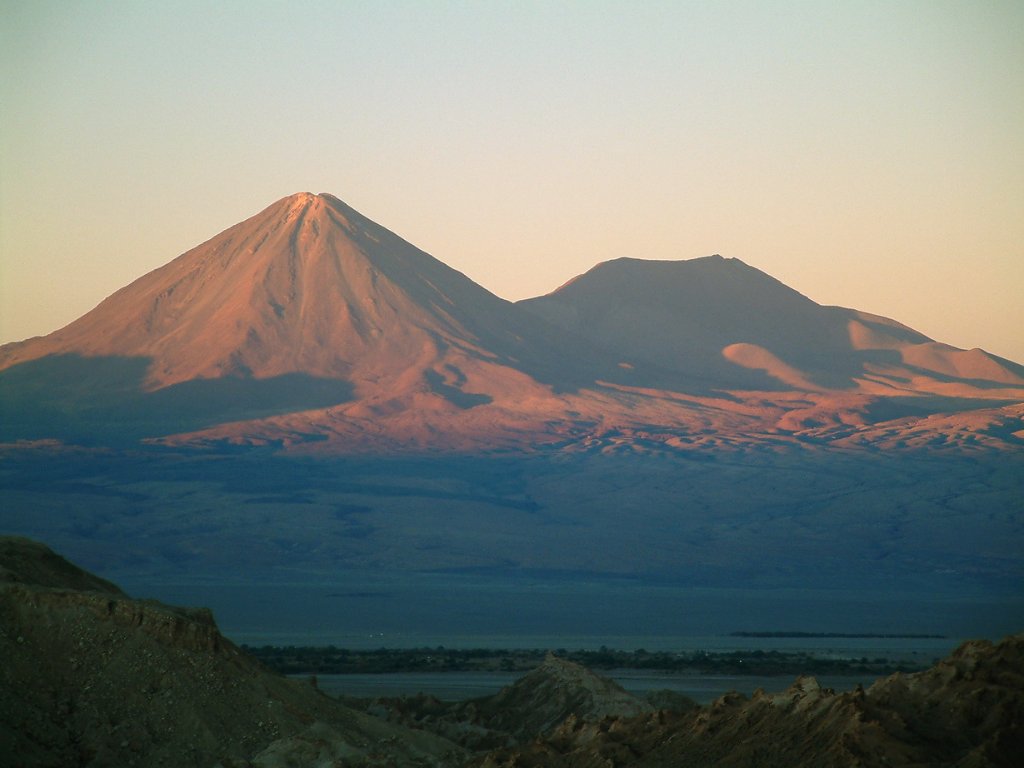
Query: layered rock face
[[92, 677]]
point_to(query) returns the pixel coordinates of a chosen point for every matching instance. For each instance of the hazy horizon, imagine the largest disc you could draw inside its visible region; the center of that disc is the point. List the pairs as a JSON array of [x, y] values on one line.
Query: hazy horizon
[[868, 156]]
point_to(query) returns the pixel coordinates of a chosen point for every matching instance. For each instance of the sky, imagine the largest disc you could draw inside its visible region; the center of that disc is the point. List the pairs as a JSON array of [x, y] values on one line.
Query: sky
[[868, 154]]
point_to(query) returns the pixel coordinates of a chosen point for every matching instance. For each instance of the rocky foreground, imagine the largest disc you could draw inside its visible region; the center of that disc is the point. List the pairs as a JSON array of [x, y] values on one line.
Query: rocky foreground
[[91, 677]]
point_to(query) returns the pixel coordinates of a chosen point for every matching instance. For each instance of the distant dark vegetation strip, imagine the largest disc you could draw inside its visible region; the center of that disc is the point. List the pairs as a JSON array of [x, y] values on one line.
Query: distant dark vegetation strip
[[305, 660], [858, 636]]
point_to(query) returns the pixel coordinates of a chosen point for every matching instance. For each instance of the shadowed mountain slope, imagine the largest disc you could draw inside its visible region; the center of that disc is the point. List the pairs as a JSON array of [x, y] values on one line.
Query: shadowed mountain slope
[[726, 323], [311, 327], [23, 561], [93, 678]]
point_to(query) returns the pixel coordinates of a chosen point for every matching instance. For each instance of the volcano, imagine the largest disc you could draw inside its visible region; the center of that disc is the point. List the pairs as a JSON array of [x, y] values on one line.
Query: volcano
[[306, 286], [311, 328]]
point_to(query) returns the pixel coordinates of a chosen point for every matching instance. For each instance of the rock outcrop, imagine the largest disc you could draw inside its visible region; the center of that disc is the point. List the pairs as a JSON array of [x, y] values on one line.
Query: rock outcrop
[[965, 711], [91, 677], [552, 693], [535, 705]]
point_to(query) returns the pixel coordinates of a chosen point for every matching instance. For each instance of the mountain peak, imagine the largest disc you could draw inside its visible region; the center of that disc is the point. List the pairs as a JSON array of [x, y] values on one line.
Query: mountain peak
[[297, 201], [311, 288], [303, 201], [307, 286]]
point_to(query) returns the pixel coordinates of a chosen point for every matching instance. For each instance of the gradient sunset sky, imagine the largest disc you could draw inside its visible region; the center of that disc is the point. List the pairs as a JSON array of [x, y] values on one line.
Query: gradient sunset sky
[[868, 154]]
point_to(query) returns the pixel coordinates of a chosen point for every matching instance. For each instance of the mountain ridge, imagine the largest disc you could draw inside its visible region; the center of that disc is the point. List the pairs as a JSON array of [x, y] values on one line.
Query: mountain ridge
[[310, 325]]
